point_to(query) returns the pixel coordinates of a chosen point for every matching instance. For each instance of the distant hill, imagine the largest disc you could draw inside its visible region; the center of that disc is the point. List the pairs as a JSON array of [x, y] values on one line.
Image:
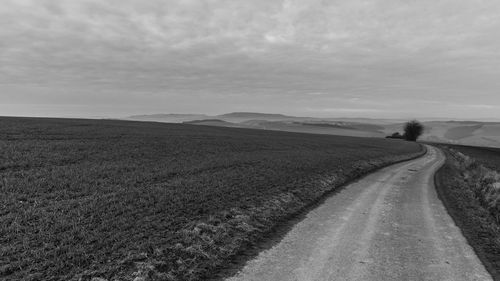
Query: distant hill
[[476, 133], [239, 117], [212, 122], [254, 115], [170, 118]]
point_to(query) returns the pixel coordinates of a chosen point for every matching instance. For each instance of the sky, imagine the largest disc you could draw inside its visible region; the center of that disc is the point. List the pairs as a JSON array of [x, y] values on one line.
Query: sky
[[350, 58]]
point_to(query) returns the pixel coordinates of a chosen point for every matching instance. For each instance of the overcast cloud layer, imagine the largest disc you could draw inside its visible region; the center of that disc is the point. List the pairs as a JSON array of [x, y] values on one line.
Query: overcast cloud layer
[[368, 58]]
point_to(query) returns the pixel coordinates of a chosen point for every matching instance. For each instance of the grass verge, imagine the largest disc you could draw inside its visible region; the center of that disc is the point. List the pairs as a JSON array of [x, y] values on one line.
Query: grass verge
[[470, 192]]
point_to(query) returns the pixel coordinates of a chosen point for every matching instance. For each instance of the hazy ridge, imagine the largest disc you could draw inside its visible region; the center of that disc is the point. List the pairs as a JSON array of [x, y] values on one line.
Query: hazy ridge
[[466, 132]]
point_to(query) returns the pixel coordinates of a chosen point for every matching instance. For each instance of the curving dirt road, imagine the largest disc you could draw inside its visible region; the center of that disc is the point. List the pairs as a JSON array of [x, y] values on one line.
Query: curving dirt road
[[389, 225]]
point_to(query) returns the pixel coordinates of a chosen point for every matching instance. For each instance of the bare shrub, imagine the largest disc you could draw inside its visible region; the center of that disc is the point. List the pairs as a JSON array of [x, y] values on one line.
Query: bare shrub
[[413, 130], [395, 135]]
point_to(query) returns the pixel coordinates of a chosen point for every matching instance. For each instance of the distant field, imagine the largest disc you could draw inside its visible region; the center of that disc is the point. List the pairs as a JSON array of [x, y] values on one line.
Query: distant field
[[86, 198], [476, 133], [488, 156]]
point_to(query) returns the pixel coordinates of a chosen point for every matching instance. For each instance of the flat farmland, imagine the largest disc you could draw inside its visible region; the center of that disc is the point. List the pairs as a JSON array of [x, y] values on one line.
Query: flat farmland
[[121, 200]]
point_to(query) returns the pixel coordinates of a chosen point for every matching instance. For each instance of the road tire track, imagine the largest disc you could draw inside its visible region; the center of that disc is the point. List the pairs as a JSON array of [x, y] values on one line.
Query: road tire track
[[389, 225]]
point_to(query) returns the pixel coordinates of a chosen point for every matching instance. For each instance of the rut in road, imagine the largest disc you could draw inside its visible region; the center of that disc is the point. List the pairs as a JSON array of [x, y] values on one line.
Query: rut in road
[[390, 225]]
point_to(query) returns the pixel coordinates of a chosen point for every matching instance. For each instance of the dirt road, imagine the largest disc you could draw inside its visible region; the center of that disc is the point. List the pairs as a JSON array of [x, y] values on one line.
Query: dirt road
[[389, 225]]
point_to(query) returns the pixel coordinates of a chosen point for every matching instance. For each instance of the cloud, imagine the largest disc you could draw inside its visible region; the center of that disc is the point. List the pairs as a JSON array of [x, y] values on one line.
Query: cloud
[[381, 54]]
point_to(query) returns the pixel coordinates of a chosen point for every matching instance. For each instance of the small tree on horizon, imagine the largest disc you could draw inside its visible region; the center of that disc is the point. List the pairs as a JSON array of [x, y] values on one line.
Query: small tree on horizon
[[413, 130]]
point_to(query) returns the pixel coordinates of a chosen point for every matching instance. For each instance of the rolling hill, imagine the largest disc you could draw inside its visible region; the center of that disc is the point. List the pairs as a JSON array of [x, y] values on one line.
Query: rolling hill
[[478, 133]]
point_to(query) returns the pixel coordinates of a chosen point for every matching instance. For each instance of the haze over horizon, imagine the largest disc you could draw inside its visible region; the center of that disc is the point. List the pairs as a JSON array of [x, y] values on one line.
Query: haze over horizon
[[359, 58]]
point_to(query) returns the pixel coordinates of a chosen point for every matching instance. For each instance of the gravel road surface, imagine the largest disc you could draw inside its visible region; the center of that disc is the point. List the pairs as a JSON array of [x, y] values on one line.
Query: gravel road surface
[[390, 225]]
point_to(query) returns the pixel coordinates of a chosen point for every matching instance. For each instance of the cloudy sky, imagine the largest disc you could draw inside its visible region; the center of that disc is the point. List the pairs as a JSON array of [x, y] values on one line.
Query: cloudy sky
[[367, 58]]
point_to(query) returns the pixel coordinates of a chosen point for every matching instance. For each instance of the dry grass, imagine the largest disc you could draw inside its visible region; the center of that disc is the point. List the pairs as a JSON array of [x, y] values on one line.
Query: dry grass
[[469, 185], [482, 181]]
